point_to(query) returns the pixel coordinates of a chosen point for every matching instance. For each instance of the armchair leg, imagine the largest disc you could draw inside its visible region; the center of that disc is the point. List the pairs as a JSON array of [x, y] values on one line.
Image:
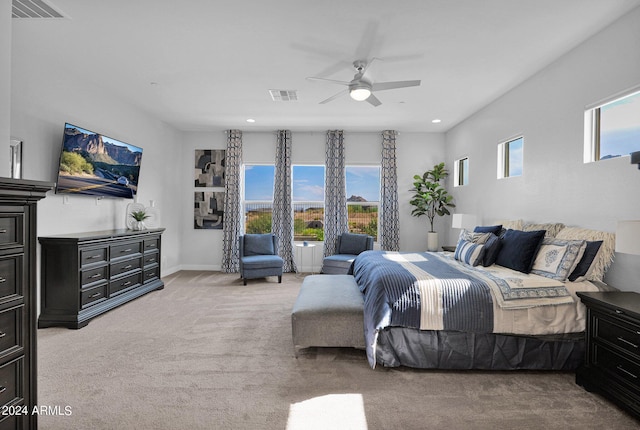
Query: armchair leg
[[245, 281], [279, 279]]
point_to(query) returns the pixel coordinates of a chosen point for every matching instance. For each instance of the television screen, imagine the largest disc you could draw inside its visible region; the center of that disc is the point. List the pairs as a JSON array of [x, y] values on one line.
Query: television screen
[[96, 165]]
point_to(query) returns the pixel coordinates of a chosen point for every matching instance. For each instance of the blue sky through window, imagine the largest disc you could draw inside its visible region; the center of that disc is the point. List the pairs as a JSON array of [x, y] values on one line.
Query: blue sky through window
[[363, 181], [620, 127], [515, 157], [258, 182]]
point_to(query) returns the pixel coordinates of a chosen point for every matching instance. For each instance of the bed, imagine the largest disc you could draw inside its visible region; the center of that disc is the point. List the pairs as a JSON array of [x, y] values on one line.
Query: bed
[[496, 303]]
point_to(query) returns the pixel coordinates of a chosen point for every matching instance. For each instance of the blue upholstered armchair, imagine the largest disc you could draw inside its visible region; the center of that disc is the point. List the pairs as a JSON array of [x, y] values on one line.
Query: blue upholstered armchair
[[259, 257], [348, 247]]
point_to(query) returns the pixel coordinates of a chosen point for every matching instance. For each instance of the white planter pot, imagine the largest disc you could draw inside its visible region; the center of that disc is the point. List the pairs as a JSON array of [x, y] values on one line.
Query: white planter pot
[[432, 241]]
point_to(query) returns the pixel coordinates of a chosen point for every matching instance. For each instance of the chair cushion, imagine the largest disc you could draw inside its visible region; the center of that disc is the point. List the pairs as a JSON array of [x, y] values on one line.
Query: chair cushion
[[261, 262], [351, 243], [258, 244]]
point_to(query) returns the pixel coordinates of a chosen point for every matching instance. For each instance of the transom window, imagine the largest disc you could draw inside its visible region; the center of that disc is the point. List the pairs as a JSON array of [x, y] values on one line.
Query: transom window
[[461, 172], [612, 129], [510, 158]]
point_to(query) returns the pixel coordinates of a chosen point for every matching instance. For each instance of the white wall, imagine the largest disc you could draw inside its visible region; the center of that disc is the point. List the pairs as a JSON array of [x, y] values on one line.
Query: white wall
[[548, 110], [416, 152], [5, 84], [43, 100]]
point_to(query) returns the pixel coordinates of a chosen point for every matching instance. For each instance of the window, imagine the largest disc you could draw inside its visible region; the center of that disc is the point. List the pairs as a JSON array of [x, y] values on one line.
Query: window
[[612, 129], [363, 199], [308, 202], [510, 158], [461, 172], [258, 197]]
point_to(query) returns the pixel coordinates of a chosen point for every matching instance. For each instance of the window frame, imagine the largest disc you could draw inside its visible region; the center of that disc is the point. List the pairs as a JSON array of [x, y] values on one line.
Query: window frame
[[504, 152], [294, 202], [368, 203], [246, 202], [459, 172], [593, 125]]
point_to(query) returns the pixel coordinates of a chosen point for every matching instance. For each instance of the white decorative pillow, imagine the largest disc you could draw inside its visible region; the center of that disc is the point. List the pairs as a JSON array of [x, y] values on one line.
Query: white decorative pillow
[[552, 228], [469, 252], [603, 258], [557, 258], [515, 224]]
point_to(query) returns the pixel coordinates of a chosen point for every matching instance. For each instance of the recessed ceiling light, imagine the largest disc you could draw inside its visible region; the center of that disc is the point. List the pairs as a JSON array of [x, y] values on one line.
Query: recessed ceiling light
[[251, 120], [436, 121]]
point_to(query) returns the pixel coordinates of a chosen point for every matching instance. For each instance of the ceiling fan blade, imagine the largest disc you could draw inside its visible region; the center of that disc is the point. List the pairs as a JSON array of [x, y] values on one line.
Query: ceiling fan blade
[[366, 66], [381, 86], [312, 78], [374, 100], [335, 96]]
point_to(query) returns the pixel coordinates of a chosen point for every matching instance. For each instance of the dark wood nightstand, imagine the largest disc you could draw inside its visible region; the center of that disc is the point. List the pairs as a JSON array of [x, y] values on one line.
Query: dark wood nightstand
[[449, 248], [612, 359]]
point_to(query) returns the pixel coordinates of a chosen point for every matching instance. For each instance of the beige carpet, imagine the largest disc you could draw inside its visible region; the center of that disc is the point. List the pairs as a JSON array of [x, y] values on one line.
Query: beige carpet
[[209, 353]]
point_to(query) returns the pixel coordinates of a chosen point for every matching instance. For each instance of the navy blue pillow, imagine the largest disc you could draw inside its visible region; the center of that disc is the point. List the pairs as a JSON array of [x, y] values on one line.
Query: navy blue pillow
[[491, 249], [519, 249], [495, 229], [585, 262]]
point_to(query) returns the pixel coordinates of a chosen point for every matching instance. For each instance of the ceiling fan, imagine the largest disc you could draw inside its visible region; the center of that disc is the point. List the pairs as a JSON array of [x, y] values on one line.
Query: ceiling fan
[[361, 88]]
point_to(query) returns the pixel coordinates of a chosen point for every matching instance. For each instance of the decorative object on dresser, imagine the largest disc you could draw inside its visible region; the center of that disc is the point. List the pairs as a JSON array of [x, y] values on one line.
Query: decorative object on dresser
[[87, 274], [431, 199], [18, 306], [612, 361]]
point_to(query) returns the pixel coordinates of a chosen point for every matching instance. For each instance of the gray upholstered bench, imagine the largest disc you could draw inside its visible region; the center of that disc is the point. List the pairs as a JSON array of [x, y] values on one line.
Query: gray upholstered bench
[[329, 311]]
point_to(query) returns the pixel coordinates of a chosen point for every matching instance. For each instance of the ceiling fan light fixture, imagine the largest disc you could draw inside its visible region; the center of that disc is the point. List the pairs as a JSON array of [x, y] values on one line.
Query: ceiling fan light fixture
[[360, 94]]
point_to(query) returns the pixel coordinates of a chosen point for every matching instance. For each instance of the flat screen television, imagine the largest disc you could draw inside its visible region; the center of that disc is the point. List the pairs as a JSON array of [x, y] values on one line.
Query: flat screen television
[[96, 165]]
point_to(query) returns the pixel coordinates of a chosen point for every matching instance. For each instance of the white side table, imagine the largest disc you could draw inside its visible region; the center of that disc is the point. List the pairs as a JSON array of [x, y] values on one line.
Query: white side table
[[300, 247]]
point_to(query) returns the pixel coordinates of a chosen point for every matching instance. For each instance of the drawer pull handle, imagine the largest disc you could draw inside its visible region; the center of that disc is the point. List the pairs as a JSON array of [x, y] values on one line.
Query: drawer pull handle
[[619, 312], [620, 368], [2, 279], [3, 389], [97, 275], [2, 334], [126, 284], [94, 295], [126, 250], [621, 339], [95, 256], [151, 260], [3, 231]]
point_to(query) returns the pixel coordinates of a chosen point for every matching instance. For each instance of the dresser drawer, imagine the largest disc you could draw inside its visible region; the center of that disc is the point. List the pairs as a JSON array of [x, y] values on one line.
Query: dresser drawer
[[91, 276], [125, 250], [93, 295], [126, 283], [10, 388], [93, 255], [11, 229], [619, 367], [151, 274], [620, 333], [151, 258], [125, 266], [11, 330], [151, 244], [10, 279]]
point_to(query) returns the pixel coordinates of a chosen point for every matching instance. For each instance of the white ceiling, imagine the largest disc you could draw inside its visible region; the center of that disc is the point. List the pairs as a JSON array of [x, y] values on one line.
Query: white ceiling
[[208, 64]]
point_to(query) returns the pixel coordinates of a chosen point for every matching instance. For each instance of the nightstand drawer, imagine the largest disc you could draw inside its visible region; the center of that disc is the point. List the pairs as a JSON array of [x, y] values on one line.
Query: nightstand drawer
[[619, 333], [92, 256], [10, 281], [625, 371], [10, 331]]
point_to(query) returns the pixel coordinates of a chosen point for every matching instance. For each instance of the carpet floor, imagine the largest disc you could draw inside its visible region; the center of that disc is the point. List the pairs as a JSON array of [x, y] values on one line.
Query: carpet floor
[[207, 352]]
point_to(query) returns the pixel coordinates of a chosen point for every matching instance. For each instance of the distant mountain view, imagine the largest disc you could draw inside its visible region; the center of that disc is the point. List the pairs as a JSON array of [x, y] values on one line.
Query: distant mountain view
[[98, 150], [356, 199]]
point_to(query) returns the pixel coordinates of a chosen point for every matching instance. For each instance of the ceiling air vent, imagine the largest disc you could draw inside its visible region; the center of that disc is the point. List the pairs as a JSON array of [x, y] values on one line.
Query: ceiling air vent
[[34, 9], [284, 95]]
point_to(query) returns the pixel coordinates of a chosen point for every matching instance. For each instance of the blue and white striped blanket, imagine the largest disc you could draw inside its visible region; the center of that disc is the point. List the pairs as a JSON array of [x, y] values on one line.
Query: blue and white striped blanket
[[430, 291]]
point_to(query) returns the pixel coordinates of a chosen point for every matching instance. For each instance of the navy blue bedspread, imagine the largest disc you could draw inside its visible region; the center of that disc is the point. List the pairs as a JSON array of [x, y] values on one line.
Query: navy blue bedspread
[[392, 284]]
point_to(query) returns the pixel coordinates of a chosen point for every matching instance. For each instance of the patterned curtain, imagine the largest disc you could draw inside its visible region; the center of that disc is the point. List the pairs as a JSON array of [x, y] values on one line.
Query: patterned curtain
[[335, 193], [232, 227], [282, 223], [389, 213]]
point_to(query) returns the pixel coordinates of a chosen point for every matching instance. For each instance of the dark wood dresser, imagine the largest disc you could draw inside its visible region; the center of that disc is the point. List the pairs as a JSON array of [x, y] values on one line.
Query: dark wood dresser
[[18, 302], [612, 362], [84, 275]]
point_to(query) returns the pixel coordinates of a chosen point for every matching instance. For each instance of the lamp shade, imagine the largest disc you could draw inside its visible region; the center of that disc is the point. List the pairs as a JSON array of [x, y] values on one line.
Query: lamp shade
[[465, 221], [628, 237]]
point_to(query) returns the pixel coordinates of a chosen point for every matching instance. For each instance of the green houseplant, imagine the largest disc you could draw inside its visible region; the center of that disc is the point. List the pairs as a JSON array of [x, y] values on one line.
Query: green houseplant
[[139, 217], [431, 199]]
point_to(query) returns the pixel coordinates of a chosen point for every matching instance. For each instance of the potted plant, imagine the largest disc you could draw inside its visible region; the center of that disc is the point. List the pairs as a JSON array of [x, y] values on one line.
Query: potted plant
[[139, 217], [431, 199]]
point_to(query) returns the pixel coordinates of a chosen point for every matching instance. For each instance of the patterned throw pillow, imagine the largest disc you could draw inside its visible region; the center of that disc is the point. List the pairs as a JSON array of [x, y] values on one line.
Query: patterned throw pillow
[[479, 238], [557, 258], [469, 252]]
